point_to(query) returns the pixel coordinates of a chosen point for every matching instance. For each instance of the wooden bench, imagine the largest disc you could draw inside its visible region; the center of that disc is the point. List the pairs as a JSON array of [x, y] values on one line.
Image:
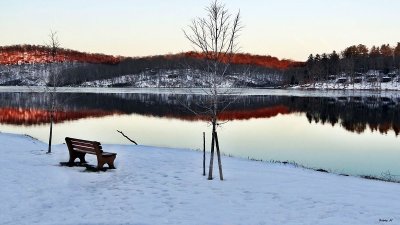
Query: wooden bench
[[79, 148]]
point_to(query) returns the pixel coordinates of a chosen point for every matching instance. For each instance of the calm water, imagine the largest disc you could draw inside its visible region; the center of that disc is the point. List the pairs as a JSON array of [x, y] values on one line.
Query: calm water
[[349, 132]]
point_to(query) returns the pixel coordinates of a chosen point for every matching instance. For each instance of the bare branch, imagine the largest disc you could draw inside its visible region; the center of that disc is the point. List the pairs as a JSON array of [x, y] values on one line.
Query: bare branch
[[127, 137], [215, 38]]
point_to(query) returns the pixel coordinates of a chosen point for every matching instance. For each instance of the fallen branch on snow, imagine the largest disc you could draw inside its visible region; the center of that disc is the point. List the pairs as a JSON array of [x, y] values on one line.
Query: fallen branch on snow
[[127, 137]]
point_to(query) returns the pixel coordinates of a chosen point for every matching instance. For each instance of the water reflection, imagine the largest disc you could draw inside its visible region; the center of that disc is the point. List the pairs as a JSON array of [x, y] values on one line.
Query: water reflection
[[355, 114]]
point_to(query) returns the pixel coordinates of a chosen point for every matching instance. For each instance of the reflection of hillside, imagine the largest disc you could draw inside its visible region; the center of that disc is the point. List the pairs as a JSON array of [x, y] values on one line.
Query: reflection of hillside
[[355, 114], [228, 115], [267, 112], [18, 116], [30, 108]]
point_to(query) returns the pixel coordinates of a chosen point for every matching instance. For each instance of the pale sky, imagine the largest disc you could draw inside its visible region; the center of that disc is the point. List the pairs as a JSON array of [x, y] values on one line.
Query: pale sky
[[285, 28]]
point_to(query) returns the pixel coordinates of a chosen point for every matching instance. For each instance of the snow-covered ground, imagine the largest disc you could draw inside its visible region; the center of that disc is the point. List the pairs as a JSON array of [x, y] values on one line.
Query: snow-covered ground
[[332, 85], [299, 92], [164, 186]]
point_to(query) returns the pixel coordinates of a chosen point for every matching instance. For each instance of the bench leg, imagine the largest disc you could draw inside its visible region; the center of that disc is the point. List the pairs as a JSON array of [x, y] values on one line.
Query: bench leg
[[72, 158], [106, 160], [81, 157], [110, 162], [100, 164], [74, 155]]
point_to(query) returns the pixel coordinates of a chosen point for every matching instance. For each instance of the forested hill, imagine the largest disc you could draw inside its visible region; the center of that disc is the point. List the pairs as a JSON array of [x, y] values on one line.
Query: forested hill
[[28, 54], [266, 61], [357, 64], [26, 65]]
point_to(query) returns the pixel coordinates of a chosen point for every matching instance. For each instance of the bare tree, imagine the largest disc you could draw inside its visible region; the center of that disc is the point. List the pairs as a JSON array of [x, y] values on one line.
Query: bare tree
[[215, 38], [52, 81]]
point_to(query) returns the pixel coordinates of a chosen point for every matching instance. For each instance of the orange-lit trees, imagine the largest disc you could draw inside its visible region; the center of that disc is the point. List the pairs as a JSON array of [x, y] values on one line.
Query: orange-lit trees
[[215, 36]]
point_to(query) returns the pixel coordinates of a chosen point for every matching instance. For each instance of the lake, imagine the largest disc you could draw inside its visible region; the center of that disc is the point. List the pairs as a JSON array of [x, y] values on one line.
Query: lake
[[350, 132]]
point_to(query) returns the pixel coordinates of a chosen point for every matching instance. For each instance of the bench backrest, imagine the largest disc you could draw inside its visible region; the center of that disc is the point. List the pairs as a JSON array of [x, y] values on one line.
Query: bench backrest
[[91, 147]]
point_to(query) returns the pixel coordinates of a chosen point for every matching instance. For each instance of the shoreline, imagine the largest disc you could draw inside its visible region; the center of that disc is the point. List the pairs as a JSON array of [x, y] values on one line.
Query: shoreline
[[389, 177], [292, 91]]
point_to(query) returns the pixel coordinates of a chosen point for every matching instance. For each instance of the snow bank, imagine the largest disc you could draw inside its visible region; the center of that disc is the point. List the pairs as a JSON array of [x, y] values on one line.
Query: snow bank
[[293, 91], [332, 85], [164, 186]]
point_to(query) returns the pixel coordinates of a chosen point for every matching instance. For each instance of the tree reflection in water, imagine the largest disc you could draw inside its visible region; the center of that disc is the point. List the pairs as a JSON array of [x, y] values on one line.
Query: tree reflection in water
[[355, 114]]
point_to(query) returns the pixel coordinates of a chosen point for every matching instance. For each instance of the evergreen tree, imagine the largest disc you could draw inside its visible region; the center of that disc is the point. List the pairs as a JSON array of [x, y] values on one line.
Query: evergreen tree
[[334, 62]]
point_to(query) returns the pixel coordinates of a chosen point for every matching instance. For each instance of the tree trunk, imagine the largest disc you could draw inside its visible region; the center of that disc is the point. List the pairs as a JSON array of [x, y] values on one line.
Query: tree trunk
[[204, 153], [210, 171], [51, 132], [221, 177]]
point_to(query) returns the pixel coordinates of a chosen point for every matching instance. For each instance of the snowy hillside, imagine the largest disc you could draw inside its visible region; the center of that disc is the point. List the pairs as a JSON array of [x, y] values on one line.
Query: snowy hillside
[[22, 65], [391, 84], [183, 78], [69, 73], [164, 186], [36, 74]]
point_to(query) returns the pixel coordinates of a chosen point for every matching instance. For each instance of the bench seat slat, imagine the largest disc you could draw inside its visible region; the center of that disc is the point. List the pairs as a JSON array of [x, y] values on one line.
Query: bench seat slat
[[108, 153], [86, 146], [88, 152], [82, 148], [90, 145], [83, 141]]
